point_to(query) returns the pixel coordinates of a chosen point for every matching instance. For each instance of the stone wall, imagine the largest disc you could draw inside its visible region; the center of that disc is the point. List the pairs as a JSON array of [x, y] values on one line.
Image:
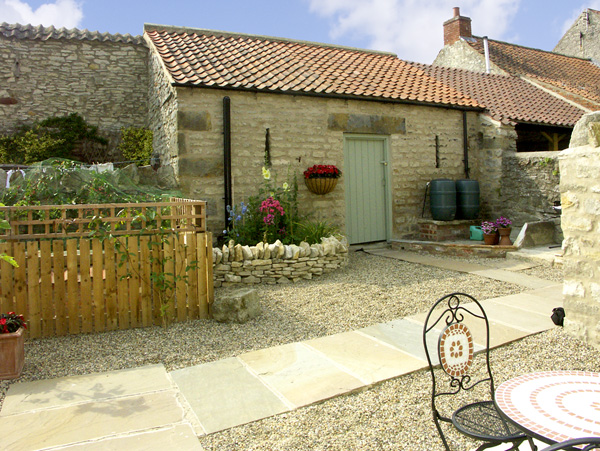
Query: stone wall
[[461, 55], [582, 40], [162, 117], [277, 263], [103, 80], [580, 198], [307, 130], [530, 187]]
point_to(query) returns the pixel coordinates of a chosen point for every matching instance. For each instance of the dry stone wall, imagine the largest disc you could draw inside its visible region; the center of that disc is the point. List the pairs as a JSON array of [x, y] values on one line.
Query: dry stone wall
[[104, 81], [277, 263], [580, 199]]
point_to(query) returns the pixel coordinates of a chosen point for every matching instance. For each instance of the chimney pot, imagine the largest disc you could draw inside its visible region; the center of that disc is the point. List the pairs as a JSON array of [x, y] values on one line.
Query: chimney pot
[[456, 11]]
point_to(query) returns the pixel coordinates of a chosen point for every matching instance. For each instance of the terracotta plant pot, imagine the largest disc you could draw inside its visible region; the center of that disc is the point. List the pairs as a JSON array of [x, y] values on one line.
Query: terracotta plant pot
[[12, 354], [505, 236], [321, 185], [491, 238]]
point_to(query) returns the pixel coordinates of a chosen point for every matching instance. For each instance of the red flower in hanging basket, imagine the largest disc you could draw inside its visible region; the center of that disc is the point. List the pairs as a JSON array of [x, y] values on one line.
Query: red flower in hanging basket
[[322, 171]]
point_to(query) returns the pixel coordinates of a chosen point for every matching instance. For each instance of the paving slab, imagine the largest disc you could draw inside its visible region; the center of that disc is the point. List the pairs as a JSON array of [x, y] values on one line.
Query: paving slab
[[402, 334], [500, 333], [529, 302], [51, 393], [300, 374], [364, 357], [95, 420], [527, 321], [552, 292], [224, 394], [512, 277], [176, 437]]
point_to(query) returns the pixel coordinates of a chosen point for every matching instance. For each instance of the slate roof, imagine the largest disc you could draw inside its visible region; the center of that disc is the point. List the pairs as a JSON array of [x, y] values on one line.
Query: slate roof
[[508, 99], [576, 78], [216, 59], [45, 33]]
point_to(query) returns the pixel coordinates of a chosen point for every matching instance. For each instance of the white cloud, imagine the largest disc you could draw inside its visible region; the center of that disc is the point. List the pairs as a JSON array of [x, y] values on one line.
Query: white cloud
[[61, 13], [413, 29]]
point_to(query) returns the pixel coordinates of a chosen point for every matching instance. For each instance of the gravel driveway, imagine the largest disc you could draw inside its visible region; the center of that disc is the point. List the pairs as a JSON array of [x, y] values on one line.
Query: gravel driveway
[[391, 415]]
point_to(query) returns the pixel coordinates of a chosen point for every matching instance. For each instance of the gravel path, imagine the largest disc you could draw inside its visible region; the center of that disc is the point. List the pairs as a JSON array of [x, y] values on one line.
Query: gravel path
[[370, 290]]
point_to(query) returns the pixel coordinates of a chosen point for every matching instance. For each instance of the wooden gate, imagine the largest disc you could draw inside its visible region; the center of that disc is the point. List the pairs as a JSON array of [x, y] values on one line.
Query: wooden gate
[[136, 273]]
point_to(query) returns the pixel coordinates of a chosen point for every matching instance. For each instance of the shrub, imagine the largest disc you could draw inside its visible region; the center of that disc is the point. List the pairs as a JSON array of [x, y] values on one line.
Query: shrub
[[53, 137], [313, 231], [136, 144]]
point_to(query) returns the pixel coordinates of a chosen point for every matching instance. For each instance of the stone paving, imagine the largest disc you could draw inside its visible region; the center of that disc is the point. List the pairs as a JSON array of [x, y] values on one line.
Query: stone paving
[[149, 408]]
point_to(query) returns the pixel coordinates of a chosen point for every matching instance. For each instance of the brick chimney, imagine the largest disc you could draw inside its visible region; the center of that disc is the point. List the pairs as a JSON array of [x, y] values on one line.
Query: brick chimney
[[456, 28]]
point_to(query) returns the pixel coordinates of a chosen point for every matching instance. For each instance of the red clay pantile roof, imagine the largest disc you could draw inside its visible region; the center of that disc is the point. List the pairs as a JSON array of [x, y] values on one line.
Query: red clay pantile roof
[[508, 99], [579, 78], [216, 59]]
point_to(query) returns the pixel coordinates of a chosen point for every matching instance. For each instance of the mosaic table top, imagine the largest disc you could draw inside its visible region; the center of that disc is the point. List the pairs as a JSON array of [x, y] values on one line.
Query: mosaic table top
[[553, 405]]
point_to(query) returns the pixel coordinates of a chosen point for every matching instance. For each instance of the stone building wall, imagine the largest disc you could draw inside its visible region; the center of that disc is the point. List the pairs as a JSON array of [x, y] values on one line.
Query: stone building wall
[[162, 118], [582, 40], [530, 187], [461, 55], [580, 199], [306, 130], [105, 81]]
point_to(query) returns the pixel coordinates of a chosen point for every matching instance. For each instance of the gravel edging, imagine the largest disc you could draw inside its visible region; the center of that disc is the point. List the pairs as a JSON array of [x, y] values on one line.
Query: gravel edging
[[369, 290]]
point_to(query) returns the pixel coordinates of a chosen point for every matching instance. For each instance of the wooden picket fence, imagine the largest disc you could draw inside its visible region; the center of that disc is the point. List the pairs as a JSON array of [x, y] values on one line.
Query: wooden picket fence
[[67, 282]]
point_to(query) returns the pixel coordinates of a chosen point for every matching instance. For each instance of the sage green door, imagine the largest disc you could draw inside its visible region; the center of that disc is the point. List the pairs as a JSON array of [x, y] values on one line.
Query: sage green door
[[366, 188]]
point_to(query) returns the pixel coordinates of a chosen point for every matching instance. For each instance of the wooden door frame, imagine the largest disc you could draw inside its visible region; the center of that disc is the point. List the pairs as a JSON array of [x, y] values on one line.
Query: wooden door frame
[[386, 175]]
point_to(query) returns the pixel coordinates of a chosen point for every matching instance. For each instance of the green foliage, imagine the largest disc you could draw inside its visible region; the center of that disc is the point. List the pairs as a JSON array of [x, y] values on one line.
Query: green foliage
[[52, 137], [260, 218], [136, 144], [269, 216], [60, 182], [7, 258], [313, 231]]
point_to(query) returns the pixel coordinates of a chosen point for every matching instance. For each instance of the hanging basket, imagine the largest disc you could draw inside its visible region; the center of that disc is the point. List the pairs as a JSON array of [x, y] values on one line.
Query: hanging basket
[[321, 185]]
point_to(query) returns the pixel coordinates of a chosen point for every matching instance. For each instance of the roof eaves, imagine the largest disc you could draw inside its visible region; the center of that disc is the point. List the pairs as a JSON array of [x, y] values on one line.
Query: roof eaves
[[336, 96]]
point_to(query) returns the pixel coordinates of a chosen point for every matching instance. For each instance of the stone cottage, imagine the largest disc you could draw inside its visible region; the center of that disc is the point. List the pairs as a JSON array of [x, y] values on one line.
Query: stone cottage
[[530, 146], [390, 125], [217, 101]]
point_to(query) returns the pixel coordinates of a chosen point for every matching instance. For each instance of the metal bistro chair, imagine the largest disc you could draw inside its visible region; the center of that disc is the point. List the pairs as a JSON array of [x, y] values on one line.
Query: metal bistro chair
[[453, 314], [575, 444]]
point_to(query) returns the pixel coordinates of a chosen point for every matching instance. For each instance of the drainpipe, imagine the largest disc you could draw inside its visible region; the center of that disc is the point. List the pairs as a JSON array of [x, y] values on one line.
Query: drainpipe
[[227, 155], [465, 146], [486, 52]]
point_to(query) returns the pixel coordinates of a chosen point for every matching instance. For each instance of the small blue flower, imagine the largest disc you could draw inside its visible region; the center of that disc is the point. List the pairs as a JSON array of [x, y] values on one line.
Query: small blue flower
[[224, 232], [238, 218]]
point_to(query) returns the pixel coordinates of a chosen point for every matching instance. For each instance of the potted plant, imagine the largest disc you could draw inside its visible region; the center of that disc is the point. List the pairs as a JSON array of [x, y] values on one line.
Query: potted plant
[[321, 178], [12, 345], [504, 229], [490, 232]]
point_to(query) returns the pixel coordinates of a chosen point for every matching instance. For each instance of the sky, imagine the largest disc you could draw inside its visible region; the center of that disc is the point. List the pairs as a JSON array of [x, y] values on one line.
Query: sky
[[410, 28]]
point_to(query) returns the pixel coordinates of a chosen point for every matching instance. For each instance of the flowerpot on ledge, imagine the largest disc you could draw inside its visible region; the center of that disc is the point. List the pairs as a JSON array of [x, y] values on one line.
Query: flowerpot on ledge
[[505, 236], [491, 238], [12, 354], [321, 185]]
